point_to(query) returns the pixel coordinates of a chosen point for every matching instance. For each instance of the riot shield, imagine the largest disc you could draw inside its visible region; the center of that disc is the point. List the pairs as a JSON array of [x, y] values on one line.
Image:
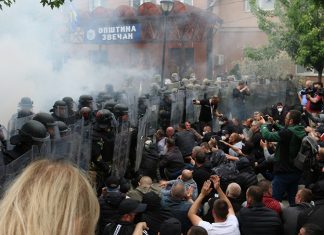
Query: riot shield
[[16, 123], [74, 146], [190, 107], [3, 137], [153, 110], [132, 107], [10, 171], [177, 108], [141, 136], [121, 150]]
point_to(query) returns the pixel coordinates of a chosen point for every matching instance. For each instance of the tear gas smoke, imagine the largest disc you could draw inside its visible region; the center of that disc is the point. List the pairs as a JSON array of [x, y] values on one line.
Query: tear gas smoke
[[32, 44]]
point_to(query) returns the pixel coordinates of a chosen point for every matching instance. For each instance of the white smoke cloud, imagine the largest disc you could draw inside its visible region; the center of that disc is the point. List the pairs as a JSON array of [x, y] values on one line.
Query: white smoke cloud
[[29, 44]]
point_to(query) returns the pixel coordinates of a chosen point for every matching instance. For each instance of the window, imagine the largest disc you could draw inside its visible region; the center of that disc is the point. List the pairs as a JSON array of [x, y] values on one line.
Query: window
[[137, 3], [267, 5], [247, 6], [306, 71], [189, 2]]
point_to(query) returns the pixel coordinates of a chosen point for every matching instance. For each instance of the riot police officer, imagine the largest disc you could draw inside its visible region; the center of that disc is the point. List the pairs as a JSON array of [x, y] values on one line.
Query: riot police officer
[[31, 133], [72, 110], [60, 111]]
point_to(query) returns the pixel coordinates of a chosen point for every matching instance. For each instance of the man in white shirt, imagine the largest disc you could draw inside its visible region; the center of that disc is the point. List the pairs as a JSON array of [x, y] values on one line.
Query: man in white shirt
[[225, 221]]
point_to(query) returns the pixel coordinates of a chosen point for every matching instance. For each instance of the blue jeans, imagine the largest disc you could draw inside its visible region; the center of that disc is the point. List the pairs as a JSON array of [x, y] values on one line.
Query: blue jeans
[[282, 183]]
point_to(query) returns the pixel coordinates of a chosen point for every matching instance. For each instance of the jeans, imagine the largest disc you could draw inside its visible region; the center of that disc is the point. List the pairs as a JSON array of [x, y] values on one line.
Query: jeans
[[288, 183]]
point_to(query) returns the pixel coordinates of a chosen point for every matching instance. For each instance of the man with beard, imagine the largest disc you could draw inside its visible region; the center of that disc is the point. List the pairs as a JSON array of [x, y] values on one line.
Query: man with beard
[[289, 138]]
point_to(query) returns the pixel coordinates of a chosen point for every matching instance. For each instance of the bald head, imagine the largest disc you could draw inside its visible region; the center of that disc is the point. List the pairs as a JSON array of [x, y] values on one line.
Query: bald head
[[145, 181], [186, 175], [308, 83], [170, 131], [233, 190], [178, 191]]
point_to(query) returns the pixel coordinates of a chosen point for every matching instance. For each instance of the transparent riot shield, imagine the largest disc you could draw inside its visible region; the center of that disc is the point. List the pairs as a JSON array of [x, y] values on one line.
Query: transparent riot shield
[[10, 171], [132, 104], [141, 136], [211, 91], [177, 108], [82, 132], [121, 150], [190, 107], [3, 138], [16, 123], [153, 110], [75, 146]]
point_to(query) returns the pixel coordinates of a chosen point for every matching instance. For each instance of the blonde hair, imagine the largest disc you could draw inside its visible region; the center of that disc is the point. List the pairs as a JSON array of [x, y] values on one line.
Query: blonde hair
[[49, 198]]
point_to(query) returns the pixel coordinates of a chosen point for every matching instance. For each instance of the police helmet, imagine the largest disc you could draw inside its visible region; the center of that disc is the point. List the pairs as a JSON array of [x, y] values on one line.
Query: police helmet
[[26, 102], [85, 101], [34, 130], [104, 118], [63, 128], [110, 104], [68, 100], [45, 118], [120, 109]]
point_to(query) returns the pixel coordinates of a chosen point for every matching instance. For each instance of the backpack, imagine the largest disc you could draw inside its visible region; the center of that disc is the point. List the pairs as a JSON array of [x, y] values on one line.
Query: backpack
[[227, 172], [306, 157]]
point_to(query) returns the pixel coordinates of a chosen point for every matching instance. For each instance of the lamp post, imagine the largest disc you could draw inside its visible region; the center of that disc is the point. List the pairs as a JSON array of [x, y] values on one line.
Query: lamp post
[[166, 7]]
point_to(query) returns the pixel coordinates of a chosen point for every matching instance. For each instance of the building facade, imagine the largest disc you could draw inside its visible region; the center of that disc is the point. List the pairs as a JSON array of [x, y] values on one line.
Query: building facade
[[205, 37]]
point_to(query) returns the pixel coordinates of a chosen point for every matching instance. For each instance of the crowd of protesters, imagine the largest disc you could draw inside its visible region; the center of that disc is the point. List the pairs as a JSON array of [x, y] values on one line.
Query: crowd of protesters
[[261, 175]]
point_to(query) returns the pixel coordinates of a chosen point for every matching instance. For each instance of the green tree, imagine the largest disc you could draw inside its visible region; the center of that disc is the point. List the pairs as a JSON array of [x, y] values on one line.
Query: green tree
[[51, 3], [297, 27]]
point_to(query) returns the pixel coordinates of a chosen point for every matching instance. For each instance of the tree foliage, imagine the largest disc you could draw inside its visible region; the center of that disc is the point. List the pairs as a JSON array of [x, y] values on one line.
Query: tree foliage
[[52, 3], [273, 68], [297, 27]]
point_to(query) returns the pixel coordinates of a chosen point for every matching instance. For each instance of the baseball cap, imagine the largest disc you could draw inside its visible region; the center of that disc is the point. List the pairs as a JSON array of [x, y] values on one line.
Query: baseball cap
[[170, 226], [112, 182], [152, 200], [128, 206]]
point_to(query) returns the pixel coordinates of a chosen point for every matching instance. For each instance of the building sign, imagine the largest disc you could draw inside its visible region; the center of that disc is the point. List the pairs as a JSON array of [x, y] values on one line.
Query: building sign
[[103, 33]]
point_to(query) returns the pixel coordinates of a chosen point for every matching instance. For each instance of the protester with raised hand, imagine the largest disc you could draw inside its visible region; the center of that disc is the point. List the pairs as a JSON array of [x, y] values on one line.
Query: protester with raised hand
[[225, 221]]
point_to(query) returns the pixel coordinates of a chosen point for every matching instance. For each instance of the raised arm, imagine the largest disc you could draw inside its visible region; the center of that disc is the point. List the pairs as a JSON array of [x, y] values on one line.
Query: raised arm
[[192, 213], [216, 181]]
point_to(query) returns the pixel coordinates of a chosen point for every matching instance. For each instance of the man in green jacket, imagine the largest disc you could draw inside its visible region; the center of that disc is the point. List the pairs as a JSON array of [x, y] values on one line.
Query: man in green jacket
[[289, 138]]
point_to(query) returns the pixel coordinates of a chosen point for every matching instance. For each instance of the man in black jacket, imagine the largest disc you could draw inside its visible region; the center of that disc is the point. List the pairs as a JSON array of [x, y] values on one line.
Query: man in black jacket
[[290, 214], [127, 210], [256, 218], [185, 141], [172, 162]]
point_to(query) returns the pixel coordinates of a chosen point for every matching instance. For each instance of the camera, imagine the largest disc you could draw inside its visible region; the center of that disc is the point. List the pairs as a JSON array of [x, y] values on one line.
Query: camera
[[194, 101], [266, 117], [308, 91]]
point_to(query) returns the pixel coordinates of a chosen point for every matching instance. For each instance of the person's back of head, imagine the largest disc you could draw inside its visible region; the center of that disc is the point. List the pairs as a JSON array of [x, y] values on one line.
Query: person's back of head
[[304, 195], [265, 186], [200, 158], [170, 142], [186, 175], [178, 190], [310, 229], [254, 194], [145, 181], [233, 190], [170, 226], [295, 116], [220, 210], [49, 197], [197, 230]]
